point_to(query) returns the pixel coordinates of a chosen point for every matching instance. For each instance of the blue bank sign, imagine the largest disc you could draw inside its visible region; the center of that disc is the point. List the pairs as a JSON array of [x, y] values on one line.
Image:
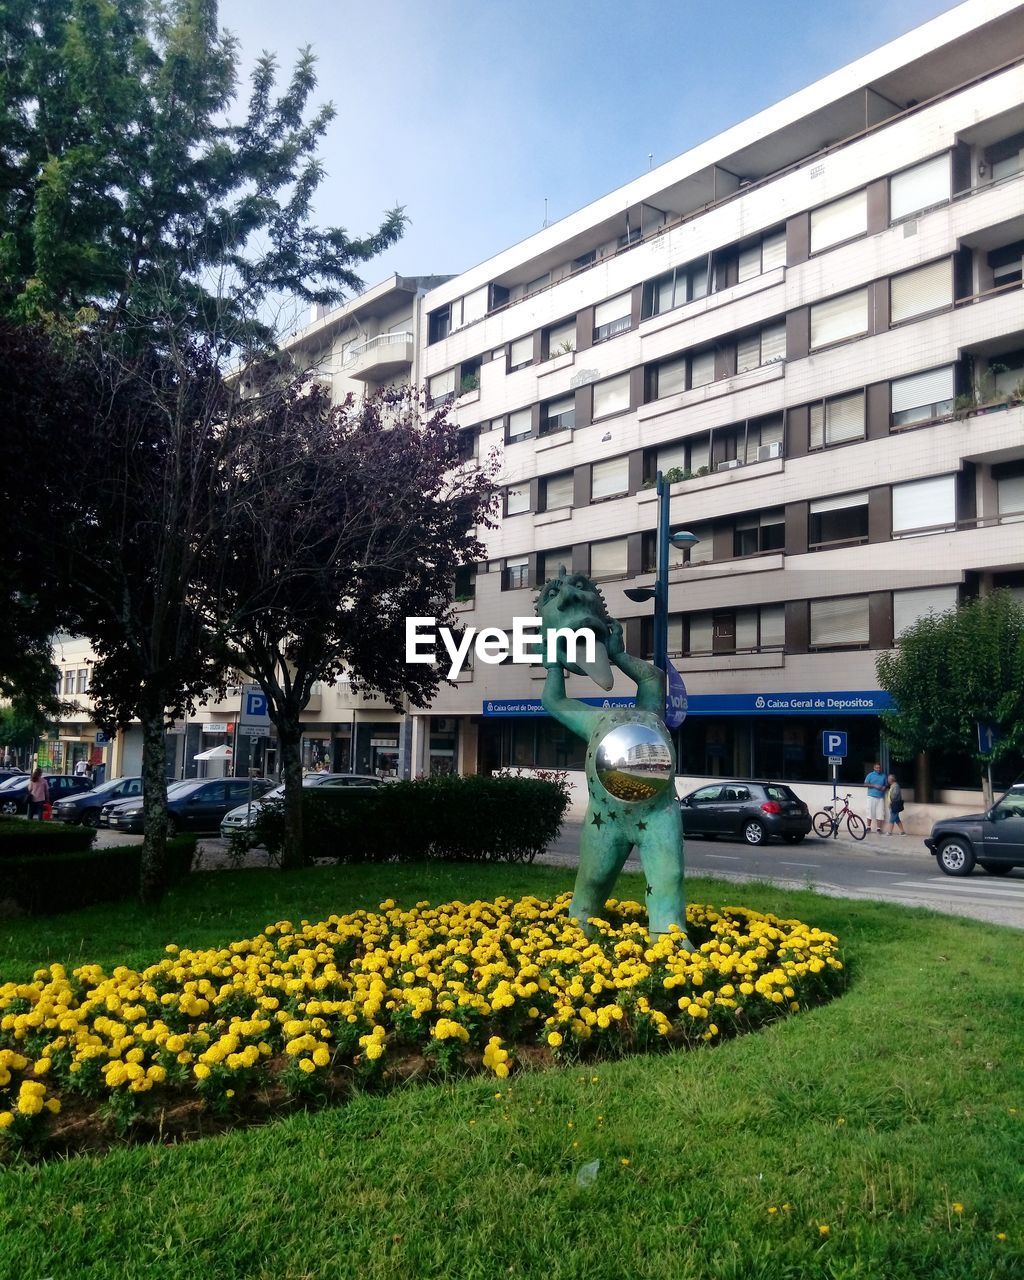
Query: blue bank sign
[[855, 702]]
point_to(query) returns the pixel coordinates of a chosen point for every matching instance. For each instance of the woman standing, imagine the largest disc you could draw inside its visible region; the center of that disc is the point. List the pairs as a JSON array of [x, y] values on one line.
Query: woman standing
[[895, 803], [38, 794]]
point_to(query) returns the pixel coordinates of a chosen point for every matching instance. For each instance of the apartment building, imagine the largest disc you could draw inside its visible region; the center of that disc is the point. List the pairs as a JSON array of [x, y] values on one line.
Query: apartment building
[[813, 324]]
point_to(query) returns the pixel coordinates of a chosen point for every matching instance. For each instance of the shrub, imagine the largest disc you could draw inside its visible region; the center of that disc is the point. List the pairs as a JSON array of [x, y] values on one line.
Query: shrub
[[66, 881], [20, 838], [448, 818]]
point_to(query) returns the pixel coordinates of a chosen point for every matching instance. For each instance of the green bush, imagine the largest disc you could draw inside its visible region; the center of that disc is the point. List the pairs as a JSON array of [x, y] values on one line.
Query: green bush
[[449, 818], [20, 838], [66, 881]]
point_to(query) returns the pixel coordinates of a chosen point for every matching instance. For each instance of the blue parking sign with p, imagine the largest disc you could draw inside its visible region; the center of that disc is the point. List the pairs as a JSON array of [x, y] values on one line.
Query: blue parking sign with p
[[833, 742], [255, 704]]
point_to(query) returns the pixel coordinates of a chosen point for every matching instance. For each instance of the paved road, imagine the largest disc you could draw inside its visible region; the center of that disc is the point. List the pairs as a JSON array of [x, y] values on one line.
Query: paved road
[[883, 868]]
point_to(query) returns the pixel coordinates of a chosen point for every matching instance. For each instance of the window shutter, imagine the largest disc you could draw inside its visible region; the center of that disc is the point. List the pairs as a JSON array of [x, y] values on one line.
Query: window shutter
[[520, 424], [701, 633], [673, 455], [608, 478], [474, 305], [919, 188], [558, 491], [750, 262], [748, 352], [773, 251], [927, 289], [675, 634], [671, 377], [773, 626], [608, 559], [837, 421], [702, 552], [922, 390], [773, 343], [924, 504], [841, 220], [909, 606], [1011, 495], [517, 501], [839, 318], [700, 454], [560, 335], [521, 352], [746, 628], [611, 396], [442, 384], [702, 368], [613, 309], [551, 561], [839, 622], [839, 504]]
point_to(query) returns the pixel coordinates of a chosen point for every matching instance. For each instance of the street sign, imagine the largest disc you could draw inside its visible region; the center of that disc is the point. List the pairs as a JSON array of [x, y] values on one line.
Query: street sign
[[988, 736], [253, 731], [101, 738], [833, 743], [676, 702], [835, 760], [254, 704]]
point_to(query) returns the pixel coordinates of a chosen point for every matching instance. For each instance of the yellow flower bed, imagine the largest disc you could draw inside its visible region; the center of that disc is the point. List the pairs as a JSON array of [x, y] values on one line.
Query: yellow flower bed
[[461, 985]]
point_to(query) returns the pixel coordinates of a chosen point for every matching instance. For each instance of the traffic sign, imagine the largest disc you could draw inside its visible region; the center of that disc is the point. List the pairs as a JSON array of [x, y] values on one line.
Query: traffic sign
[[253, 731], [833, 743], [988, 736], [837, 760]]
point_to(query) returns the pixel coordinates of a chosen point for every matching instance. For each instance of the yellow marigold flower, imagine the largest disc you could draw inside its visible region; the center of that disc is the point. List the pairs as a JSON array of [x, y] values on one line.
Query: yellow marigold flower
[[957, 1207], [201, 1071], [374, 1050], [823, 1230], [307, 1065], [554, 1039], [53, 1106], [6, 1119]]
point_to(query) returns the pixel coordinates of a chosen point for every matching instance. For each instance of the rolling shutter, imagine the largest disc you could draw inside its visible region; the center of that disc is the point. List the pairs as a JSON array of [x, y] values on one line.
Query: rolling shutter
[[702, 552], [839, 622], [748, 352], [924, 504], [558, 491], [673, 455], [773, 626], [701, 633], [702, 368], [909, 606], [919, 188], [837, 421], [609, 478], [923, 390], [927, 289], [838, 318], [561, 335], [520, 423], [608, 559], [773, 251], [611, 396], [442, 384], [521, 352], [474, 305], [841, 220], [517, 501], [1011, 495], [773, 343], [612, 310]]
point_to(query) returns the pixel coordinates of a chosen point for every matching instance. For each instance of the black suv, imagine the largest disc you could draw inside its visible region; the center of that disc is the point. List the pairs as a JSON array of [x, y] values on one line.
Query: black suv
[[14, 792], [752, 811], [195, 805], [994, 839]]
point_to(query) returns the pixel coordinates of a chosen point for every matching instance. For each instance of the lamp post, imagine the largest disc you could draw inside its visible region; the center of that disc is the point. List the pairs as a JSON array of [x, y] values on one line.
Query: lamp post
[[659, 592]]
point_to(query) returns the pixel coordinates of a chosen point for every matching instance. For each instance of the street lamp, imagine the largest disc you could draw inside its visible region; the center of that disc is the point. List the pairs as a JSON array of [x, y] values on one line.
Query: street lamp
[[659, 592]]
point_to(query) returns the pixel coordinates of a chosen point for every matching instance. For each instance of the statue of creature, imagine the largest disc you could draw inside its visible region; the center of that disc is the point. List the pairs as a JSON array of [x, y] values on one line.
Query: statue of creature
[[630, 761]]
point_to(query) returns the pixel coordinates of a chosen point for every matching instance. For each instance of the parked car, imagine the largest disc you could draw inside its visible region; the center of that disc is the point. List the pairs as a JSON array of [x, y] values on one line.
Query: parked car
[[198, 804], [752, 811], [244, 816], [14, 792], [12, 772], [85, 808], [993, 839]]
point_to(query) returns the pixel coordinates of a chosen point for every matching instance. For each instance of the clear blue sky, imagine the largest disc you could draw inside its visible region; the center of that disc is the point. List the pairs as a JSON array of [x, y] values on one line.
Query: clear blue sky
[[471, 112]]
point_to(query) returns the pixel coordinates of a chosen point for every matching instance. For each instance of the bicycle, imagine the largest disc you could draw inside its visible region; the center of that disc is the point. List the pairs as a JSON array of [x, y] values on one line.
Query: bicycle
[[827, 823]]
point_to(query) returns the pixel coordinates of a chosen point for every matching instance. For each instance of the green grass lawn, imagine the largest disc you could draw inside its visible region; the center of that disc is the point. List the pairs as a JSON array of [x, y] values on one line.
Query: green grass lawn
[[873, 1116]]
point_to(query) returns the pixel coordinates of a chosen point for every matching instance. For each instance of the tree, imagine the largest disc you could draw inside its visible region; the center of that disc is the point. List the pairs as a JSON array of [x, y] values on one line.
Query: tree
[[951, 672], [346, 521], [140, 216]]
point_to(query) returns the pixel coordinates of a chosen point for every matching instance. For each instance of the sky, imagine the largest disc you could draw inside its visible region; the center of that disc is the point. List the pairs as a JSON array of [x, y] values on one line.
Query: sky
[[483, 118]]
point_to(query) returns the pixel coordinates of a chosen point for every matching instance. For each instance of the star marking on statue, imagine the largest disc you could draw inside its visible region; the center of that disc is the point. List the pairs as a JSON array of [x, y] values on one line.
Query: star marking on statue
[[612, 815], [641, 826], [649, 891], [598, 821]]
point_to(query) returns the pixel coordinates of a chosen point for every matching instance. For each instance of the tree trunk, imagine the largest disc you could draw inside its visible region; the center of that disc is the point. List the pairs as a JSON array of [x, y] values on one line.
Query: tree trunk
[[922, 778], [153, 880], [289, 739]]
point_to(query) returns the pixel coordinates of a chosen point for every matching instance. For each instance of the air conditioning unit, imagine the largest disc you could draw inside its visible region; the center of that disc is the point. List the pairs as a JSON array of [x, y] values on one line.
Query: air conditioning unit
[[766, 452], [729, 465]]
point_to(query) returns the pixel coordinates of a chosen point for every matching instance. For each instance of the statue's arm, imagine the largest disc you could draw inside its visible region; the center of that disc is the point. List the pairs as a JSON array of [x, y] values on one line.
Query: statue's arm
[[575, 715], [650, 680]]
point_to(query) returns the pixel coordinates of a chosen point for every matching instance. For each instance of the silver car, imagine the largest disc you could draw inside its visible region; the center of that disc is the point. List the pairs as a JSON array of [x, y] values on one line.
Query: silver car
[[242, 818]]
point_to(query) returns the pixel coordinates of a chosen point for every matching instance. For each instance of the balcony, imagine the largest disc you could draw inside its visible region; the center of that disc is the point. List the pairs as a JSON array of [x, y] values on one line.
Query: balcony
[[379, 358]]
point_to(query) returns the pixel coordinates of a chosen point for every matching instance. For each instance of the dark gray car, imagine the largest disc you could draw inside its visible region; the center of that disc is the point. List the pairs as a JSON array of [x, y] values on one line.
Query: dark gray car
[[993, 839], [745, 810]]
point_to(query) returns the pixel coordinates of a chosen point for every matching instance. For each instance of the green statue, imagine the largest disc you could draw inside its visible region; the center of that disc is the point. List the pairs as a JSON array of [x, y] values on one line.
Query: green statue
[[630, 761]]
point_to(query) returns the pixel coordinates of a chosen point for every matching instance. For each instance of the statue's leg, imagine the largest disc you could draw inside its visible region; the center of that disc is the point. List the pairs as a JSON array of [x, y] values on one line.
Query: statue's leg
[[661, 853], [602, 853]]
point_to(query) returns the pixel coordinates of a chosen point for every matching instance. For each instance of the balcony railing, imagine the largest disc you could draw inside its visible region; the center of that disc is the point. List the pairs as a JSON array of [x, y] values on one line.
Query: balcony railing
[[354, 354]]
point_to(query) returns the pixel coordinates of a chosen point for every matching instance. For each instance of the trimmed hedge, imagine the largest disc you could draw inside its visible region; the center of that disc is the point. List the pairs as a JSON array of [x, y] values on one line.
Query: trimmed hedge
[[67, 881], [449, 818], [20, 838]]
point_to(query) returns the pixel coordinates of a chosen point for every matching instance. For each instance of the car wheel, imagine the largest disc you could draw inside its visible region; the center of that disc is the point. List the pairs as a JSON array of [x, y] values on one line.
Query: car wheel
[[956, 857], [8, 808], [792, 839], [91, 818], [997, 868], [753, 832]]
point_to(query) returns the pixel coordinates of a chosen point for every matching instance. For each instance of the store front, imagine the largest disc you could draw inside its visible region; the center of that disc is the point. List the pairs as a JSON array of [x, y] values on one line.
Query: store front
[[377, 748]]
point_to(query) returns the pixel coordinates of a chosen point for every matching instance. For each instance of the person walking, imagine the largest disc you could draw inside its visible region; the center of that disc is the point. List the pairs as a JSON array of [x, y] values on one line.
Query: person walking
[[894, 801], [38, 794], [876, 783]]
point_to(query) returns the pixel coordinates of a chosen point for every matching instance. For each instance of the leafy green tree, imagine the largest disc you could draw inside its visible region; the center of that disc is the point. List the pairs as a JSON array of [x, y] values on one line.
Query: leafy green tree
[[952, 671]]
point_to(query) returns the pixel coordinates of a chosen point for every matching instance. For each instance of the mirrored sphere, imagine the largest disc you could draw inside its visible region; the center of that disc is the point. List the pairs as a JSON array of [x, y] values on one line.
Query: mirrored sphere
[[634, 762]]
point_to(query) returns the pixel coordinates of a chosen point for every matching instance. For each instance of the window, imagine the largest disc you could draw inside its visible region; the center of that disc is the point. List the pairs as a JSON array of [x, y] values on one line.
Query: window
[[764, 439], [772, 626], [611, 396], [839, 624], [552, 561], [837, 421], [765, 531], [608, 559], [69, 682], [909, 607], [467, 443], [701, 633], [667, 378], [535, 286], [762, 255], [1007, 371], [612, 317], [558, 415], [517, 500], [557, 491], [702, 368], [520, 424], [703, 550], [837, 319], [83, 680], [469, 375], [1006, 157], [520, 353], [442, 385], [465, 582], [1010, 490], [915, 293], [922, 187], [517, 573], [609, 479], [676, 287], [584, 260], [835, 520], [439, 324], [922, 397], [560, 338], [762, 346], [1007, 265], [685, 455], [924, 504], [841, 220]]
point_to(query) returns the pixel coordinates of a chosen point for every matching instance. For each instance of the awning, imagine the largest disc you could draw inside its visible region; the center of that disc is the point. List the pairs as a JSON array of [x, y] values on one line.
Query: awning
[[214, 753]]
